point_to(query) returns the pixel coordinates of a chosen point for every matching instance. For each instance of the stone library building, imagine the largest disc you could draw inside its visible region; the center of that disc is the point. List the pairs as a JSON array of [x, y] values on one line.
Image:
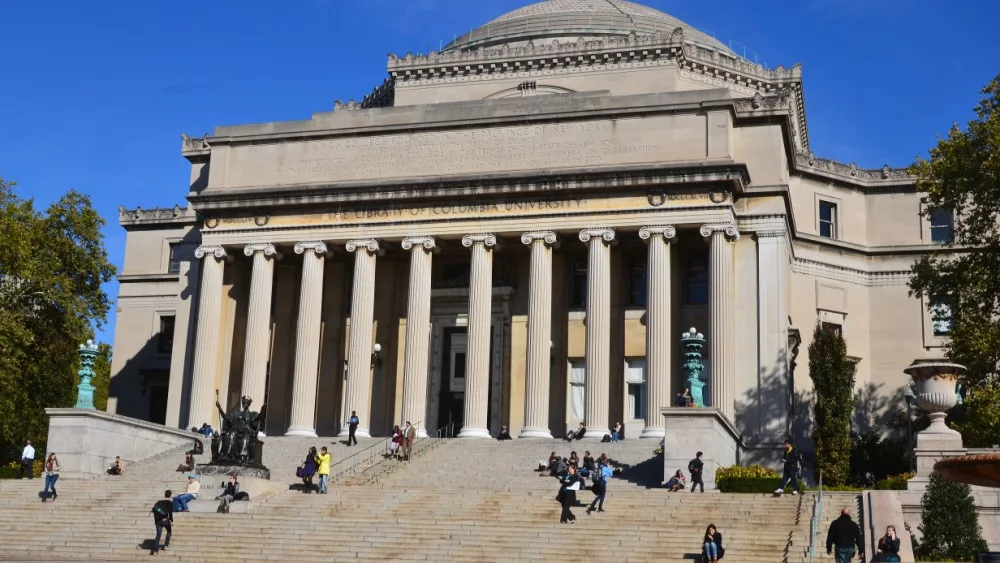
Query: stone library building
[[517, 230]]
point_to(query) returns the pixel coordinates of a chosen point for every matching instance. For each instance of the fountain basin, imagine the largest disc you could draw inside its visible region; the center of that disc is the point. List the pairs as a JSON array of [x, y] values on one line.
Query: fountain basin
[[977, 469]]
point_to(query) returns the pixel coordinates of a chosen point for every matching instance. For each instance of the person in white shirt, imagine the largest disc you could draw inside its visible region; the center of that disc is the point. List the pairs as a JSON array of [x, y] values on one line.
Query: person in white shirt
[[27, 461]]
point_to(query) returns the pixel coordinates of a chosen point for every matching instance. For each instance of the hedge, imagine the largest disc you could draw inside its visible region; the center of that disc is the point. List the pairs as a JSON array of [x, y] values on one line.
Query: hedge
[[11, 470], [746, 479], [893, 482]]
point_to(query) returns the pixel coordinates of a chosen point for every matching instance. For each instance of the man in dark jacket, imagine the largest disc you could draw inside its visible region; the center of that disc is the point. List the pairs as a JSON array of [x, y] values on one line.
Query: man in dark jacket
[[694, 467], [791, 458], [163, 517], [352, 428], [844, 535]]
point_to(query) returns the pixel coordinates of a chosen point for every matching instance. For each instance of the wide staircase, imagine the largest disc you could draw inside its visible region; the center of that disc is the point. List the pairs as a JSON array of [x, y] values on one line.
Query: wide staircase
[[457, 500]]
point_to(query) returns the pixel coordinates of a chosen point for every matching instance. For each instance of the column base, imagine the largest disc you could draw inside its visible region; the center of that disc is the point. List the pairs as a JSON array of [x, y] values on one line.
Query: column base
[[468, 432], [653, 432], [534, 433], [301, 431], [596, 434], [359, 433]]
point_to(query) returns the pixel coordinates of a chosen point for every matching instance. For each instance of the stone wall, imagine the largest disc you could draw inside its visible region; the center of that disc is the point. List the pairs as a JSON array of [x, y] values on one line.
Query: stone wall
[[87, 441]]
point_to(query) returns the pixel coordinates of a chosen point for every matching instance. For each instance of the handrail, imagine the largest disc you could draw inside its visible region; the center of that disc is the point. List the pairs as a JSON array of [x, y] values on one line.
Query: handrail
[[390, 464], [369, 453], [817, 519]]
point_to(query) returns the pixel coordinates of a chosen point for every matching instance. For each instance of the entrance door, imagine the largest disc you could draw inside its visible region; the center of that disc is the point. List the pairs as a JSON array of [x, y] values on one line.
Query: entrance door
[[452, 399]]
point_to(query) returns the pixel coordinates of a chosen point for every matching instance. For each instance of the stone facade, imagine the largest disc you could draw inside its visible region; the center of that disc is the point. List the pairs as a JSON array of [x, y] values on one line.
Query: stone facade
[[525, 229]]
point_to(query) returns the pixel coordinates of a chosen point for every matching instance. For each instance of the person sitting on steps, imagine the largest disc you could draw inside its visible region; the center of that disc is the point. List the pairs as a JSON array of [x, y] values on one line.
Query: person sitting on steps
[[677, 482], [588, 462], [618, 433], [188, 464], [504, 433], [573, 459], [192, 492], [549, 465], [228, 494], [888, 546], [581, 431], [712, 549], [117, 468]]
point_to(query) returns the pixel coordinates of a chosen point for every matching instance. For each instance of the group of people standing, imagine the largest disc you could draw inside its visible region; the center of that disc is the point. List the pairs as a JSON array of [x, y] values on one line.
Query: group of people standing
[[317, 464]]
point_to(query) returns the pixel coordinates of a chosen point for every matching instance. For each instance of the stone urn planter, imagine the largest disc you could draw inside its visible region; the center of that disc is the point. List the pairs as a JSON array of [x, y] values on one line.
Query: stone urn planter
[[936, 384]]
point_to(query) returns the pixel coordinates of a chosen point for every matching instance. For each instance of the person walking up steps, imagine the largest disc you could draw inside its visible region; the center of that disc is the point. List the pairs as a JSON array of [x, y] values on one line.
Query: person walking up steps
[[352, 428], [163, 519], [694, 468], [843, 536], [791, 459], [323, 470]]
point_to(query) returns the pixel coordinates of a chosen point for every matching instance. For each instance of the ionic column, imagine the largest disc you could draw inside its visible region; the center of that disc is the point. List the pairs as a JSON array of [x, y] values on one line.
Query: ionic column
[[359, 351], [418, 318], [258, 321], [307, 337], [206, 351], [598, 359], [477, 371], [722, 376], [658, 335], [536, 388]]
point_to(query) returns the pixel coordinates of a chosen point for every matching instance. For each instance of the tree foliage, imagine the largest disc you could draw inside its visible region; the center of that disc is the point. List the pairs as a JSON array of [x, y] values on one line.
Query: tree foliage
[[832, 376], [978, 418], [949, 523], [874, 458], [962, 173], [52, 266]]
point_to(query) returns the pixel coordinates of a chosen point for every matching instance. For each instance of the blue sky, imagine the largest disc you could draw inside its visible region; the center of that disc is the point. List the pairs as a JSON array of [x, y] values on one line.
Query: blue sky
[[95, 99]]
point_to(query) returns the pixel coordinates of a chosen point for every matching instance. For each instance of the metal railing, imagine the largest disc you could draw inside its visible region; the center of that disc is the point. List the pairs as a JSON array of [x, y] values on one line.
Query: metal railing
[[390, 463], [350, 464], [817, 520]]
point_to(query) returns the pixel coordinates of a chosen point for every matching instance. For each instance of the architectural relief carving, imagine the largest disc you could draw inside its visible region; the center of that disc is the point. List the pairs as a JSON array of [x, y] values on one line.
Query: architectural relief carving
[[192, 144], [351, 105], [782, 99], [315, 246], [548, 236], [486, 239], [371, 245], [668, 232], [382, 96], [729, 229], [155, 214], [607, 234], [266, 248], [216, 251], [850, 172], [427, 242]]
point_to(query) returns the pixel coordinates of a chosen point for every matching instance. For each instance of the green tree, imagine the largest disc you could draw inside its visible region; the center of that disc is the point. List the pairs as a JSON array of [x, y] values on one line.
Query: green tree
[[52, 266], [832, 376], [978, 419], [102, 376], [962, 278], [949, 523]]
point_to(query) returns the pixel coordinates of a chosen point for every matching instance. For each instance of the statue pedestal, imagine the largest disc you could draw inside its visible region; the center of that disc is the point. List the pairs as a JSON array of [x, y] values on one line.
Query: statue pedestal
[[692, 430], [213, 478]]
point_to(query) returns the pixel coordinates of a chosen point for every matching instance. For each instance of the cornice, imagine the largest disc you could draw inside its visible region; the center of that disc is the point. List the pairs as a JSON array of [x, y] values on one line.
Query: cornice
[[154, 277], [850, 275], [156, 216], [831, 169]]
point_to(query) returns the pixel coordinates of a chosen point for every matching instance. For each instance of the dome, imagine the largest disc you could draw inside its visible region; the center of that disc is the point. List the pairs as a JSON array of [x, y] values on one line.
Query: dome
[[567, 20]]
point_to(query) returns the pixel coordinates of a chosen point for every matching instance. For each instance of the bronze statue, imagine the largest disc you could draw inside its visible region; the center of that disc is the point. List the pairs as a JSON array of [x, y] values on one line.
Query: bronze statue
[[238, 443]]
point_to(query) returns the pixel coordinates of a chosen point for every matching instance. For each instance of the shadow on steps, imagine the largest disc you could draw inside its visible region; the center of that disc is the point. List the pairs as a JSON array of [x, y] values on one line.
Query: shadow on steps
[[648, 473]]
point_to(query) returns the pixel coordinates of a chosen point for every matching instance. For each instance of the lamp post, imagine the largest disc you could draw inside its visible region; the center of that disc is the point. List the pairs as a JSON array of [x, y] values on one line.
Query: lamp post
[[693, 341], [85, 391], [910, 397]]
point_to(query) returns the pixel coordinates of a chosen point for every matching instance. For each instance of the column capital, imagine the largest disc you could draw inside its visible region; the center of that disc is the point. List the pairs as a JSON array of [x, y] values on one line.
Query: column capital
[[668, 232], [486, 239], [316, 246], [548, 237], [419, 241], [217, 251], [367, 244], [728, 229], [600, 232], [264, 247]]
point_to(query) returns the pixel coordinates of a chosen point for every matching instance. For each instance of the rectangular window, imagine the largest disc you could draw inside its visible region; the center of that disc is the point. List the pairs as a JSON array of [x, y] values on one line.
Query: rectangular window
[[942, 314], [827, 219], [635, 376], [165, 340], [174, 263], [637, 283], [577, 388], [578, 285], [836, 328], [696, 281], [942, 225]]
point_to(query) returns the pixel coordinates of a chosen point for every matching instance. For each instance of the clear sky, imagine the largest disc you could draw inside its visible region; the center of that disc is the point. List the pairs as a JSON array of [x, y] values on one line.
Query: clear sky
[[95, 94]]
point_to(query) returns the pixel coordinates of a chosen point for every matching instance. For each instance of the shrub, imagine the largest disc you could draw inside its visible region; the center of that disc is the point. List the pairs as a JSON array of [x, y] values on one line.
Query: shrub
[[949, 523], [894, 482], [11, 470], [747, 479], [832, 375], [874, 458]]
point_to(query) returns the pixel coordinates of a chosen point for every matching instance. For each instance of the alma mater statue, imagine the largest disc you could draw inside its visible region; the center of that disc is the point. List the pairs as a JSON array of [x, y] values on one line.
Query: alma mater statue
[[238, 443]]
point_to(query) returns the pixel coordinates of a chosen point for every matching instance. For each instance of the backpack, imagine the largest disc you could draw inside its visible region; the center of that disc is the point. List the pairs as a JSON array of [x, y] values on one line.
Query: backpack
[[158, 514]]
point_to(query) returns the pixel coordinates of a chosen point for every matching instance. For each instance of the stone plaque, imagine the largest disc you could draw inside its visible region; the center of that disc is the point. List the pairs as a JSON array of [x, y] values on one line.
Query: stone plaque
[[469, 151]]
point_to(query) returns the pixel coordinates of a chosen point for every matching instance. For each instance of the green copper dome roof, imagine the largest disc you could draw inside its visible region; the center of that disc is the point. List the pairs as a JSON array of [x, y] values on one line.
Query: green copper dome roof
[[569, 19]]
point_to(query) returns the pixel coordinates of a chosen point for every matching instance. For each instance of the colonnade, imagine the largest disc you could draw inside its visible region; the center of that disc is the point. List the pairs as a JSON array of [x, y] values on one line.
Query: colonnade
[[723, 385]]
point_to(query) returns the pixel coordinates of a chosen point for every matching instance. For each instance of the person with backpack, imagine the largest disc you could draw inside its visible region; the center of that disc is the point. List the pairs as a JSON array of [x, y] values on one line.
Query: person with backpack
[[163, 519], [695, 467], [52, 468], [228, 495], [791, 458], [600, 488]]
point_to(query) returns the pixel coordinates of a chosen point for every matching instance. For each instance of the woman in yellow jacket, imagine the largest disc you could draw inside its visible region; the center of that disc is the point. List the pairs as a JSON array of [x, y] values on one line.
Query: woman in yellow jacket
[[323, 470]]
